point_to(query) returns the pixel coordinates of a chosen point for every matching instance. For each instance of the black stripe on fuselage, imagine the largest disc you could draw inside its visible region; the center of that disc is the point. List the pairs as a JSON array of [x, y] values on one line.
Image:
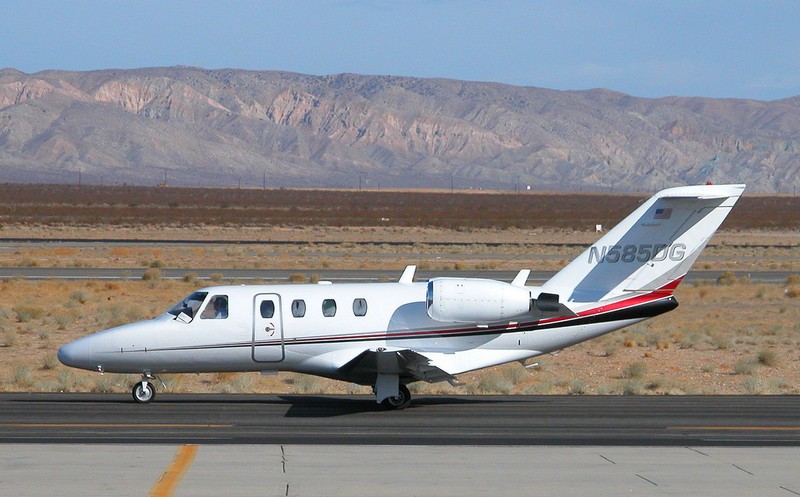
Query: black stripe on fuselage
[[638, 311]]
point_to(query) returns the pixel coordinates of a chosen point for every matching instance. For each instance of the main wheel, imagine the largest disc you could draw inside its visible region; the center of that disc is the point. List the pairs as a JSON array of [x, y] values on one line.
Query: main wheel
[[401, 401], [143, 392]]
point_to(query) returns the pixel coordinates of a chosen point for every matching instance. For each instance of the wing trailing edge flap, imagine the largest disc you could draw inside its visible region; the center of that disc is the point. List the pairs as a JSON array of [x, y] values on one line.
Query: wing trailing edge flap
[[406, 363]]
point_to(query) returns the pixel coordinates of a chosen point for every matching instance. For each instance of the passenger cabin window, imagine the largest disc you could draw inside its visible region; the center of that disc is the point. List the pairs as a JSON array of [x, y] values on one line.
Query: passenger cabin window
[[217, 308], [298, 308], [328, 308], [267, 309], [360, 307]]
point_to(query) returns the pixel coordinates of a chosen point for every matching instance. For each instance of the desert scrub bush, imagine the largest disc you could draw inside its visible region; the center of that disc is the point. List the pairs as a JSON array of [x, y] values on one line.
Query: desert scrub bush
[[745, 366], [8, 338], [752, 385], [634, 370], [793, 279], [421, 388], [216, 277], [119, 314], [79, 297], [306, 383], [726, 279], [104, 384], [778, 384], [152, 274], [64, 319], [65, 381], [242, 382], [543, 387], [190, 277], [172, 382], [50, 362], [27, 313], [690, 341], [792, 292], [632, 387], [720, 341], [297, 278], [654, 384], [767, 358], [495, 382], [158, 263], [514, 372], [234, 383], [22, 376], [578, 387]]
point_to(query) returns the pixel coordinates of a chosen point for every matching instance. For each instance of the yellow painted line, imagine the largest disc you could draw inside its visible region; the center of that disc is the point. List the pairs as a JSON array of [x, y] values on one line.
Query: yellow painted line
[[111, 425], [168, 481], [736, 428]]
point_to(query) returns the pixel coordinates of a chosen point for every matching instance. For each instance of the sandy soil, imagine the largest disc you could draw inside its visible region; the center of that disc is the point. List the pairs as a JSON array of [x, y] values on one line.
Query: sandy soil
[[723, 339]]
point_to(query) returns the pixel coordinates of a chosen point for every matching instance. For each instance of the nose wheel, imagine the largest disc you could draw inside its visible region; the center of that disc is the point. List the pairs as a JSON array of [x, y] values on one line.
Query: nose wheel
[[144, 392]]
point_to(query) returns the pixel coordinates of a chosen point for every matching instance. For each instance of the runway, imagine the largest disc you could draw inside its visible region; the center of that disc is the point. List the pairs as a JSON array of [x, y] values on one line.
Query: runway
[[309, 445], [431, 420]]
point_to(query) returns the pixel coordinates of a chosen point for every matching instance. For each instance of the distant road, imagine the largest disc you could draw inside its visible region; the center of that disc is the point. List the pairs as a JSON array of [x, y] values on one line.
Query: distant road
[[169, 241], [334, 275]]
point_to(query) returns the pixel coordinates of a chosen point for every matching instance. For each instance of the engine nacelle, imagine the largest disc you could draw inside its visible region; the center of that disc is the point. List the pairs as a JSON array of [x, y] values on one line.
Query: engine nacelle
[[473, 300]]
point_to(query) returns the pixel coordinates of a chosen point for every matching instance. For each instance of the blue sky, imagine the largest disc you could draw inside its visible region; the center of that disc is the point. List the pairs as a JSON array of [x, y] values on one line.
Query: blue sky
[[742, 49]]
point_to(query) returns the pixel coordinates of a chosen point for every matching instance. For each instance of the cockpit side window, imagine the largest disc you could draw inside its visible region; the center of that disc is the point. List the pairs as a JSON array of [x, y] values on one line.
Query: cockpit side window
[[189, 306], [217, 308]]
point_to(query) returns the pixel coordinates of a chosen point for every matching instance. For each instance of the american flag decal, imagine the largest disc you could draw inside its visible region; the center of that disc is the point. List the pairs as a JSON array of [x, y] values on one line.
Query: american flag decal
[[663, 214]]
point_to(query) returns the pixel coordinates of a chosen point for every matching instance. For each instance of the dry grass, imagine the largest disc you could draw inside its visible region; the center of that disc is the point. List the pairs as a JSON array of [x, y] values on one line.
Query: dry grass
[[28, 363]]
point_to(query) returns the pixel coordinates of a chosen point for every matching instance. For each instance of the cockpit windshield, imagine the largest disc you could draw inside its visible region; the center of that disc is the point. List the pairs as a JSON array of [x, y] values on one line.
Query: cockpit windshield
[[189, 305]]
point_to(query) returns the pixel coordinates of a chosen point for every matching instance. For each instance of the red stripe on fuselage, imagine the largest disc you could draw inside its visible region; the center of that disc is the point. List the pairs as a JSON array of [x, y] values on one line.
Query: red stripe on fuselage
[[658, 294]]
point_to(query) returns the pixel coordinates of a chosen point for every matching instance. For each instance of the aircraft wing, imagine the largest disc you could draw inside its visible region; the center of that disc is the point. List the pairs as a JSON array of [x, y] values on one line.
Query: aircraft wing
[[408, 364]]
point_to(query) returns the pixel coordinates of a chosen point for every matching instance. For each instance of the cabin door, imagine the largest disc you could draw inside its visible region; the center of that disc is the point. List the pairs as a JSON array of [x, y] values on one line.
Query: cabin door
[[267, 328]]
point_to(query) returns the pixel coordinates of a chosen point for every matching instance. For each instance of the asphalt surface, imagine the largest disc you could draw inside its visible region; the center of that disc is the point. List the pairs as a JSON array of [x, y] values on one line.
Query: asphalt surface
[[430, 420], [334, 275]]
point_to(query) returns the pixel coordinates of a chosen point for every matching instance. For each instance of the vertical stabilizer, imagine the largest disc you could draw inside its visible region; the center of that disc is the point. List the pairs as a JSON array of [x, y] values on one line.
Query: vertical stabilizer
[[654, 246]]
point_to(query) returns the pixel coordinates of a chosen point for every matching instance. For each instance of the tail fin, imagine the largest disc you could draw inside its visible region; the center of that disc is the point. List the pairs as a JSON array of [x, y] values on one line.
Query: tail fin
[[650, 249]]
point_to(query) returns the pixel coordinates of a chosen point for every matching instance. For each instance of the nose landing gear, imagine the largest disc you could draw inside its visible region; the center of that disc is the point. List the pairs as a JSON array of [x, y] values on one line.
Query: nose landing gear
[[144, 392]]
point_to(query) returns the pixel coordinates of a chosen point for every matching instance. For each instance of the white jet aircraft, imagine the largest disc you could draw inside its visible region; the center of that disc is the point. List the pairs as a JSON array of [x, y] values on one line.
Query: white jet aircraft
[[387, 335]]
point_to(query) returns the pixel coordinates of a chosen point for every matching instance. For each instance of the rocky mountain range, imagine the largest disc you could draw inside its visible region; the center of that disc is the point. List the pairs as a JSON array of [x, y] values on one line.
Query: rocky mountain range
[[191, 126]]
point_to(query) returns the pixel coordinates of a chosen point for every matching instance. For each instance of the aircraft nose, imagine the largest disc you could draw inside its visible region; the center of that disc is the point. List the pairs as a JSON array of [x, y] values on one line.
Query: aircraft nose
[[77, 354]]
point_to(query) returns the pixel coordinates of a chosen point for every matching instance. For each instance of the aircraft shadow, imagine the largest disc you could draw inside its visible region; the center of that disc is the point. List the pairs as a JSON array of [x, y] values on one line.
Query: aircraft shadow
[[298, 406], [319, 406]]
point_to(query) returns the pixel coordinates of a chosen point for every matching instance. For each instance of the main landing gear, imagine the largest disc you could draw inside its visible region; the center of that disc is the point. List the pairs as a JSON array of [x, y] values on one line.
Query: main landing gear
[[144, 392], [401, 401]]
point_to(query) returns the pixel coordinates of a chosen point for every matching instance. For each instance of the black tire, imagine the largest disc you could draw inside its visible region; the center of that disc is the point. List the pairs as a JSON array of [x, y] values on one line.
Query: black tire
[[402, 400], [142, 394]]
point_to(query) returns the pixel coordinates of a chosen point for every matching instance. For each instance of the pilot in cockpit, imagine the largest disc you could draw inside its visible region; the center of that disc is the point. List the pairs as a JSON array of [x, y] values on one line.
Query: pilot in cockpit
[[220, 307]]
